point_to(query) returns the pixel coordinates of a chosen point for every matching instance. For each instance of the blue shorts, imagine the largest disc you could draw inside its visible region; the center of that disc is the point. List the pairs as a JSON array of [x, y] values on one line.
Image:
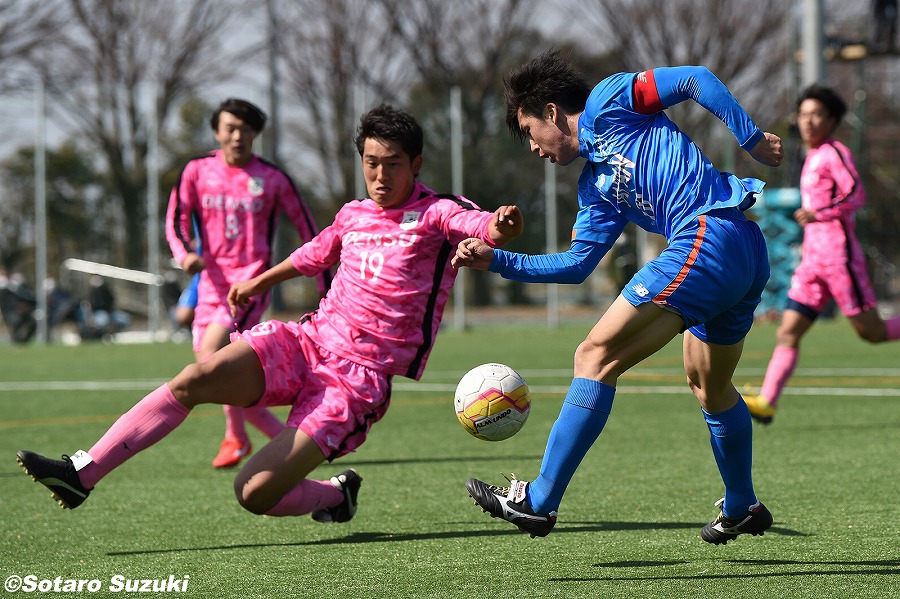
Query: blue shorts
[[188, 298], [712, 274]]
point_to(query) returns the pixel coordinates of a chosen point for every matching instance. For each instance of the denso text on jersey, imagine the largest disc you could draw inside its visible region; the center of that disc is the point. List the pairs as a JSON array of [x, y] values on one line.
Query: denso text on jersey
[[378, 239], [224, 202]]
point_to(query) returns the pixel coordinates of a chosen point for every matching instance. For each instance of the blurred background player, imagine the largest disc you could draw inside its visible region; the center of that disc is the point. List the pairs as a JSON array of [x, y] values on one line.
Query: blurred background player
[[832, 263], [184, 305], [227, 205], [187, 303], [334, 367], [706, 284]]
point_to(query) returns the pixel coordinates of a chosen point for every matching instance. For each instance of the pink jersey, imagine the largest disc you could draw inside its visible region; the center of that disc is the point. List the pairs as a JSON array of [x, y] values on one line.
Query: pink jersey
[[236, 210], [830, 186], [385, 304]]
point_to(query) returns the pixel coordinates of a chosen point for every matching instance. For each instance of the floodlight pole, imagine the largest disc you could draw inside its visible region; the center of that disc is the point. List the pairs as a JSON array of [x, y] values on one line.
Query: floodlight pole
[[456, 177], [40, 213], [359, 106], [551, 239], [273, 134], [153, 209], [813, 55], [272, 138]]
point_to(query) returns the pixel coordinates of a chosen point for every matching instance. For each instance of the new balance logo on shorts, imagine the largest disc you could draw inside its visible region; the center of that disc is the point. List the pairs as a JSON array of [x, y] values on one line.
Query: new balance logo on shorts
[[641, 290]]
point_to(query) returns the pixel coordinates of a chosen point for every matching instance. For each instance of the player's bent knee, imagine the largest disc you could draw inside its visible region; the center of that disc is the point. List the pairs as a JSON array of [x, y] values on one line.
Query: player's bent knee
[[198, 383], [873, 336], [590, 360], [787, 338], [699, 392], [188, 384], [252, 498]]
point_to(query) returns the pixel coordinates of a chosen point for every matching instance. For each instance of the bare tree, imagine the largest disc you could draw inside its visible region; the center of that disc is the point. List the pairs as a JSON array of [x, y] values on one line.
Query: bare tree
[[745, 46], [24, 27], [469, 44], [384, 50], [96, 70], [73, 191], [332, 52]]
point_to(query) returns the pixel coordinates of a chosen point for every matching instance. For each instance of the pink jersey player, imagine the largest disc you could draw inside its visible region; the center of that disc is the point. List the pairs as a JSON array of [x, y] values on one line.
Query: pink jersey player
[[382, 312], [220, 222], [384, 309], [833, 265], [236, 209], [334, 367]]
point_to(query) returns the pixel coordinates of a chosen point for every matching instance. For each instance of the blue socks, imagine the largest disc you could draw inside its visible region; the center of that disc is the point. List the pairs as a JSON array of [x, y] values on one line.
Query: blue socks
[[581, 419], [731, 437]]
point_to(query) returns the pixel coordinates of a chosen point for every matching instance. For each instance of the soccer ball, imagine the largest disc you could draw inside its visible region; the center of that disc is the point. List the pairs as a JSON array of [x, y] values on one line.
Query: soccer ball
[[492, 402]]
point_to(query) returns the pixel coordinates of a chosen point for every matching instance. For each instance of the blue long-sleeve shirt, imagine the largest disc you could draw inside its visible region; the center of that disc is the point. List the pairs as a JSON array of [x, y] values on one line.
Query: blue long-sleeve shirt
[[642, 168]]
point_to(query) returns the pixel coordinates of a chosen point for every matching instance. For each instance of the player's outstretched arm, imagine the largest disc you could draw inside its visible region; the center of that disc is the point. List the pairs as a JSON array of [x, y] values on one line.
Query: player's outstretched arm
[[672, 85], [768, 150], [240, 293], [571, 267]]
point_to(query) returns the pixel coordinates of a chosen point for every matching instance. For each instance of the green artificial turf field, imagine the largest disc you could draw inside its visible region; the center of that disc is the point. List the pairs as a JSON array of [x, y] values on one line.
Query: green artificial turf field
[[629, 525]]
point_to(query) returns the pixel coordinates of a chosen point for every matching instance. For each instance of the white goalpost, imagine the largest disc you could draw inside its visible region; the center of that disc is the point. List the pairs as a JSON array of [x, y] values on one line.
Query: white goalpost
[[113, 272]]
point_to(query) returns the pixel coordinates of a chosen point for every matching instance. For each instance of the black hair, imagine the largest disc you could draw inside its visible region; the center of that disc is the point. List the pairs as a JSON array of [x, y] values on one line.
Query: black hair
[[550, 77], [387, 123], [829, 98], [242, 109]]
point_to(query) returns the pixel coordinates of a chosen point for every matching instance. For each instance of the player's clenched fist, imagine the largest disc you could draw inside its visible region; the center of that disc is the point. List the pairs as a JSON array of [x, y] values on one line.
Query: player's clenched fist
[[508, 221], [473, 253]]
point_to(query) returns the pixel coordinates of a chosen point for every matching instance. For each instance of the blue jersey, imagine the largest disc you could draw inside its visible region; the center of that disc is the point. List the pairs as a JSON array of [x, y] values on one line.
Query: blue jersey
[[642, 168]]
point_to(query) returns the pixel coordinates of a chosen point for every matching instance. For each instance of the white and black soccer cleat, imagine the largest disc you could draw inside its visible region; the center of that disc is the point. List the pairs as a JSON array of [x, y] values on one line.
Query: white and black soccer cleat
[[509, 503], [755, 522], [348, 482], [57, 475]]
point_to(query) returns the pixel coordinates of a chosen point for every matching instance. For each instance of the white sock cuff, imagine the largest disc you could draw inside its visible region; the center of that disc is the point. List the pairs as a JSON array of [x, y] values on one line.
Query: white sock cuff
[[80, 459]]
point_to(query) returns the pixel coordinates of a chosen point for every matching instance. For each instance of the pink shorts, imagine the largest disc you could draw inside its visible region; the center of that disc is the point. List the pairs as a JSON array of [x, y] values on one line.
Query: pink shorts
[[217, 312], [334, 401], [814, 284]]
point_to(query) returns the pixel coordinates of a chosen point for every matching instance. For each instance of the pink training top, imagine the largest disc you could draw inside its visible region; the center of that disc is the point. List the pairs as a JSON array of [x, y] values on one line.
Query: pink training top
[[236, 210], [394, 278], [830, 186]]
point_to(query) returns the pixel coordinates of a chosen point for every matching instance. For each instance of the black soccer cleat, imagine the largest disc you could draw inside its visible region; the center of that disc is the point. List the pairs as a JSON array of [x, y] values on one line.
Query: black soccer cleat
[[348, 482], [509, 503], [721, 530], [57, 475]]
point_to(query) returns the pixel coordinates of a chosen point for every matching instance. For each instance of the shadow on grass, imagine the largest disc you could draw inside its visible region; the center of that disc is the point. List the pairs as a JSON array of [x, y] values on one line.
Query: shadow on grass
[[860, 568], [434, 460], [387, 537], [15, 470]]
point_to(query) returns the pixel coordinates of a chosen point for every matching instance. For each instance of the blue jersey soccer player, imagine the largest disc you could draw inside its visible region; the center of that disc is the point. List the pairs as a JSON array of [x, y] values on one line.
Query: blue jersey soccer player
[[187, 303], [641, 168]]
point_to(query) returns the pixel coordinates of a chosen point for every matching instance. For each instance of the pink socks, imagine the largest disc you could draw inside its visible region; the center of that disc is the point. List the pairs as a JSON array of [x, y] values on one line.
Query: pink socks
[[261, 418], [893, 328], [308, 496], [234, 423], [781, 367], [264, 420], [147, 422], [784, 360]]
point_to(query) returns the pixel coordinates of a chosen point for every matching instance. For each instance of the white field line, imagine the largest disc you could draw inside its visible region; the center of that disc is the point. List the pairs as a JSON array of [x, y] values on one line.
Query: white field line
[[626, 386]]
